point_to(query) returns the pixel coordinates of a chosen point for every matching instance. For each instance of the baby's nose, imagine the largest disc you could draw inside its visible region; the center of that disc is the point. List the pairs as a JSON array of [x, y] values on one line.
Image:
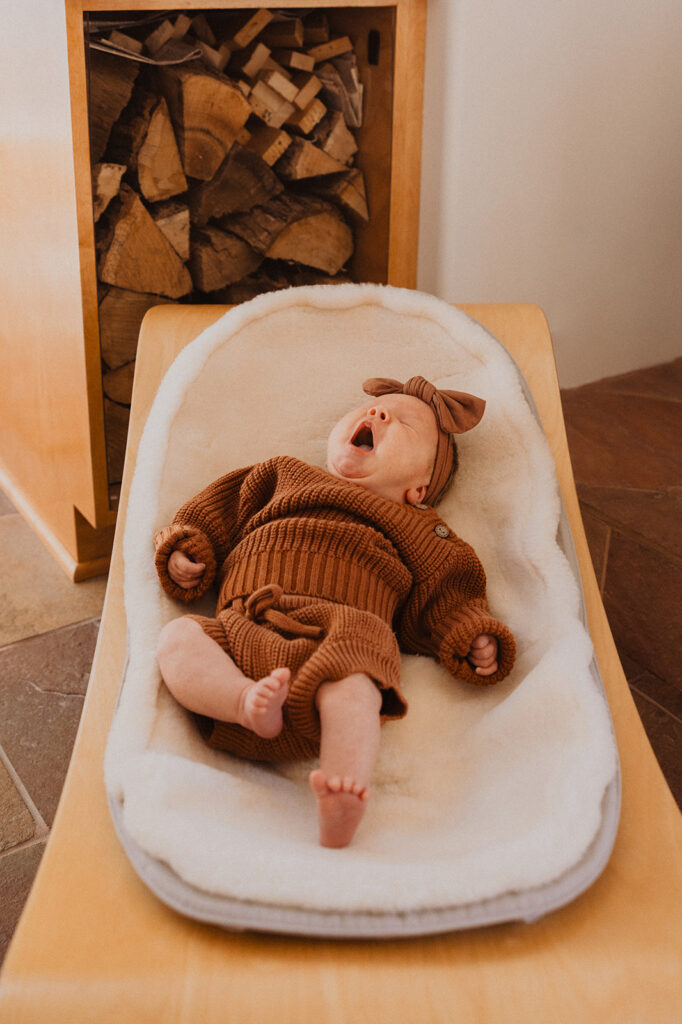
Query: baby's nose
[[379, 413]]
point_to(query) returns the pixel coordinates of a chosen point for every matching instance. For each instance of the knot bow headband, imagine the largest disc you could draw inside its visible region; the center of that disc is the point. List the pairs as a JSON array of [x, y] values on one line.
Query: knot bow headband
[[455, 412]]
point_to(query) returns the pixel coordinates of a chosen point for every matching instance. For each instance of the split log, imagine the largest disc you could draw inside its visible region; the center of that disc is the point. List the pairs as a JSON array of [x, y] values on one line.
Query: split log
[[219, 258], [279, 81], [333, 48], [300, 228], [116, 420], [159, 168], [274, 276], [268, 143], [307, 87], [118, 384], [137, 255], [143, 139], [242, 181], [302, 159], [294, 59], [347, 190], [333, 137], [249, 62], [347, 66], [337, 96], [181, 26], [217, 59], [125, 42], [323, 240], [172, 218], [120, 316], [202, 30], [315, 28], [269, 106], [111, 85], [161, 35], [261, 226], [106, 181], [208, 112], [305, 120], [287, 33], [252, 28]]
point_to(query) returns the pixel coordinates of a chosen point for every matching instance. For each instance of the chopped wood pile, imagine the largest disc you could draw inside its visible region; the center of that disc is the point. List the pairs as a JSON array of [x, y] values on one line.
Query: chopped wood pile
[[223, 153]]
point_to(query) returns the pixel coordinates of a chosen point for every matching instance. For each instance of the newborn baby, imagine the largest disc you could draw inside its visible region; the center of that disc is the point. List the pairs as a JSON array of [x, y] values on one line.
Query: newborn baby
[[323, 577]]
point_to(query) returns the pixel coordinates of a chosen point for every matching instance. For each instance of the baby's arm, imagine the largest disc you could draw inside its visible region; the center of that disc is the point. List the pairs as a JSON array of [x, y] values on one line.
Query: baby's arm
[[448, 617], [190, 550]]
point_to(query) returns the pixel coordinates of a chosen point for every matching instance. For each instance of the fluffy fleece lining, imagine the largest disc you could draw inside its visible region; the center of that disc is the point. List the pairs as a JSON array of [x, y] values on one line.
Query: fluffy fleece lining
[[479, 791]]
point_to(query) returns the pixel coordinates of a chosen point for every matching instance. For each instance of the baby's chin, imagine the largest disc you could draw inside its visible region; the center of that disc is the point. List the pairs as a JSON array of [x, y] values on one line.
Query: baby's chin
[[347, 467]]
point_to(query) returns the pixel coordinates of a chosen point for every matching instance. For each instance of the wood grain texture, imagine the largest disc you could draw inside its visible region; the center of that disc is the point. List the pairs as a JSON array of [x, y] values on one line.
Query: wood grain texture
[[94, 944]]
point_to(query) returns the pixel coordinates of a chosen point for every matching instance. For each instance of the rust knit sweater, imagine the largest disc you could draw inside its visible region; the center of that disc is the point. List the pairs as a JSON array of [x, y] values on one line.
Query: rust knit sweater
[[283, 521]]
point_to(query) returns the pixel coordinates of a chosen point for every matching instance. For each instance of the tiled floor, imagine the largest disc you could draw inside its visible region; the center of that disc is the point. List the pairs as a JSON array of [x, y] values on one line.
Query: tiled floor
[[624, 434], [625, 438]]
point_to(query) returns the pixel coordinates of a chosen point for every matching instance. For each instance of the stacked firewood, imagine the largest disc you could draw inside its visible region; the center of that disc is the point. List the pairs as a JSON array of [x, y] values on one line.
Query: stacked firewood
[[223, 152]]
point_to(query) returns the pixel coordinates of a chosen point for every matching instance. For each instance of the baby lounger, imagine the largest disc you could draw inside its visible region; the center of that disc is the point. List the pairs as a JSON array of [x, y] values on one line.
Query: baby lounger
[[489, 804]]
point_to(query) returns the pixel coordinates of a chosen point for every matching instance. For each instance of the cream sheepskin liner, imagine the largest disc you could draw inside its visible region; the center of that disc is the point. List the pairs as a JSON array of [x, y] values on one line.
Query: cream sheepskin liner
[[479, 792]]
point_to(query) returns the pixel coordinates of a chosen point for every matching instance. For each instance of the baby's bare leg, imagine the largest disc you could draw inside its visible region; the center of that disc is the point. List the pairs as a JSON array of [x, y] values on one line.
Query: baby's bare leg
[[204, 679], [349, 717]]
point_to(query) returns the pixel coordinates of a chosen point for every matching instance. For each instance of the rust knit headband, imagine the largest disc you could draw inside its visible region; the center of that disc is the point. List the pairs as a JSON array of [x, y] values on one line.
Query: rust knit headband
[[455, 412]]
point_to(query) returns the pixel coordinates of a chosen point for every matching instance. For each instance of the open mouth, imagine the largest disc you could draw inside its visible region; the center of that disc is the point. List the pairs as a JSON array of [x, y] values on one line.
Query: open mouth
[[363, 438]]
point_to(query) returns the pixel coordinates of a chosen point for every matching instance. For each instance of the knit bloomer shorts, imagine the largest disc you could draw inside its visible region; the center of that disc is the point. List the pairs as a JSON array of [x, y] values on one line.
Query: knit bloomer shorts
[[320, 641]]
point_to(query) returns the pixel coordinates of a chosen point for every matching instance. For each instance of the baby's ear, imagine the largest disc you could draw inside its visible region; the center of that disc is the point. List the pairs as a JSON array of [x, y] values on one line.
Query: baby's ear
[[416, 495]]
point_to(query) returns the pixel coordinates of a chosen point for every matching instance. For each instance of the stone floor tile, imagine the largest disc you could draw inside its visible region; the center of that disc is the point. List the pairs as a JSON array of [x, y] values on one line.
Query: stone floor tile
[[58, 661], [665, 736], [17, 871], [37, 732], [16, 821], [655, 516], [36, 595], [642, 602]]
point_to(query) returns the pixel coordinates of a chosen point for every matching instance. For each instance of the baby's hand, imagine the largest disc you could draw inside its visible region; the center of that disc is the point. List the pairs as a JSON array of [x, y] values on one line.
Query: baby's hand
[[483, 655], [183, 571]]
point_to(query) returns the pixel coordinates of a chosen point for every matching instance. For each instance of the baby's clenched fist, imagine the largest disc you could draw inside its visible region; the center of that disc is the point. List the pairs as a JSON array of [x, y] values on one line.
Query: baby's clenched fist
[[183, 571]]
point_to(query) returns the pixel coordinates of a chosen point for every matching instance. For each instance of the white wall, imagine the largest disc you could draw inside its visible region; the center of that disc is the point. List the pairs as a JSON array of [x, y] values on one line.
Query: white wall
[[552, 170]]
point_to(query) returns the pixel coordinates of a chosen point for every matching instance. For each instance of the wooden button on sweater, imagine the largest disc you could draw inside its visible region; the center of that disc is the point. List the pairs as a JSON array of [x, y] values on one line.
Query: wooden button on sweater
[[442, 530]]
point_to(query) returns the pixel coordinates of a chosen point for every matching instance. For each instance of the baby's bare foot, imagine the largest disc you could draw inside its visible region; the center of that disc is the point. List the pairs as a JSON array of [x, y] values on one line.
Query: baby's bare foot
[[261, 704], [341, 804]]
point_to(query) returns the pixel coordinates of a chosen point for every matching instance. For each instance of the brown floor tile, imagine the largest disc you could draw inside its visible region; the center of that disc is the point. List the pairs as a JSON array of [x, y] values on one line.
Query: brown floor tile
[[661, 692], [665, 736], [655, 516], [617, 442], [40, 706], [16, 821], [662, 381], [642, 601], [17, 871]]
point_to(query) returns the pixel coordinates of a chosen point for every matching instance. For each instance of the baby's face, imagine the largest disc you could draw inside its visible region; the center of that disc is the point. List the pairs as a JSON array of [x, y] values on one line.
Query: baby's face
[[387, 446]]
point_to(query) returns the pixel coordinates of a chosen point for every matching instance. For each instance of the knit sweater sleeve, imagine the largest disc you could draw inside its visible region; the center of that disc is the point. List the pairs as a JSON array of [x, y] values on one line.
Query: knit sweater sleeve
[[446, 612], [204, 529]]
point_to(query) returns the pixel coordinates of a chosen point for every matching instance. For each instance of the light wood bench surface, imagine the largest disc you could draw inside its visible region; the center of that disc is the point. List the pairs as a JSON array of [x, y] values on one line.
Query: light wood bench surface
[[95, 945]]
